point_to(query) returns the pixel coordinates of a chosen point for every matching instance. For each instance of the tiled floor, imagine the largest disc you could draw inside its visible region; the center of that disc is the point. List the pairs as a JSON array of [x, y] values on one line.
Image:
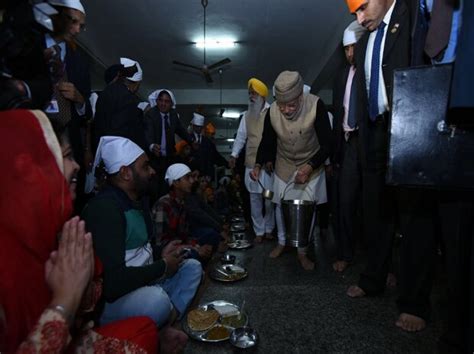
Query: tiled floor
[[296, 311]]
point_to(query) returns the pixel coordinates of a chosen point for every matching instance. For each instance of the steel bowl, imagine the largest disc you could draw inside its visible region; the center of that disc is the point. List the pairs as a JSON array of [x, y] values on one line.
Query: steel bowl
[[268, 194], [243, 337], [238, 236], [228, 259]]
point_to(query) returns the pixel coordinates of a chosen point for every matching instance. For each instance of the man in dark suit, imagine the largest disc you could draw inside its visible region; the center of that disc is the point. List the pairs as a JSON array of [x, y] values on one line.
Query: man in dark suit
[[204, 150], [346, 155], [70, 104], [161, 124], [378, 53]]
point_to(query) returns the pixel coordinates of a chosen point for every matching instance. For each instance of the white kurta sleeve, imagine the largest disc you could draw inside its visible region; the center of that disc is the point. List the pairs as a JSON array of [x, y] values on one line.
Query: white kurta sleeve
[[240, 139]]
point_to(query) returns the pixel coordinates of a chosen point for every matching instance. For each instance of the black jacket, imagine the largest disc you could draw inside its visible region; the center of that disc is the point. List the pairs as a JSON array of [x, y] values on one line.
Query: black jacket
[[397, 55]]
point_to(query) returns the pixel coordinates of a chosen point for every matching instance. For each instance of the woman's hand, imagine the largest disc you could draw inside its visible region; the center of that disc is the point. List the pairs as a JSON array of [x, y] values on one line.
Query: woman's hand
[[69, 270]]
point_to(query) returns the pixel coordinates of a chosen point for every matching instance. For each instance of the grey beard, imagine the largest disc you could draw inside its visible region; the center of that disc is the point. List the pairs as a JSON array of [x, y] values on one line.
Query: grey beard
[[254, 108]]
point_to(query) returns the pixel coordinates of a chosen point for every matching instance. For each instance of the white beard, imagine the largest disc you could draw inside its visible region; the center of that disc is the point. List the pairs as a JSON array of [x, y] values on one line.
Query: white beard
[[255, 107]]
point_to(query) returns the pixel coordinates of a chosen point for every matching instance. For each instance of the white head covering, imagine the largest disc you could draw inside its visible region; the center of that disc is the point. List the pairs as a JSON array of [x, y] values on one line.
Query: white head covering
[[352, 33], [72, 4], [176, 171], [128, 63], [154, 96], [143, 105], [115, 152], [198, 119]]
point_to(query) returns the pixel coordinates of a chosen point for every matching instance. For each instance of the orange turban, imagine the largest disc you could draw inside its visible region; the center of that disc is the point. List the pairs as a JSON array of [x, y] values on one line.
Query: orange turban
[[210, 129], [353, 5], [180, 146]]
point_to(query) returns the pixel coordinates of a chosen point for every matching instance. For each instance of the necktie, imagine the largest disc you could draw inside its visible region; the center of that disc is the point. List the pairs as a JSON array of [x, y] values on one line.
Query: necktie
[[351, 115], [59, 75], [167, 135], [375, 74], [439, 32]]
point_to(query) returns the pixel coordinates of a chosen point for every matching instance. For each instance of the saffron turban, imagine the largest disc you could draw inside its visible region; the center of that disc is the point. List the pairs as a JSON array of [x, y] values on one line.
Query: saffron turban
[[258, 86]]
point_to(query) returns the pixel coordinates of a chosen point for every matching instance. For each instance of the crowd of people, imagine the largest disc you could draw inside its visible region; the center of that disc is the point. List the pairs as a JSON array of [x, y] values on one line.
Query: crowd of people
[[108, 221]]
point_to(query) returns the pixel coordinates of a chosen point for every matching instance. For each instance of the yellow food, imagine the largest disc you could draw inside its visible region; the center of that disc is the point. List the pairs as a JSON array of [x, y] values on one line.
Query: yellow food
[[200, 319], [233, 321], [218, 332]]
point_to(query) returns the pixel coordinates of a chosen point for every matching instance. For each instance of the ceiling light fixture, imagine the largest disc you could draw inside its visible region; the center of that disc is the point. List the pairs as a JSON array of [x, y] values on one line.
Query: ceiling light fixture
[[216, 44], [231, 114]]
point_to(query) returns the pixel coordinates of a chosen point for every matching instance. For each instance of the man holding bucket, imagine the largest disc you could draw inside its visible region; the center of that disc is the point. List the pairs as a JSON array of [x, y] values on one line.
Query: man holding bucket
[[296, 139]]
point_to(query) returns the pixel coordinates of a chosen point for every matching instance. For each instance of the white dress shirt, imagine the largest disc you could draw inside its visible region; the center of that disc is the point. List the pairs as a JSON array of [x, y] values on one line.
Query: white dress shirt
[[383, 98]]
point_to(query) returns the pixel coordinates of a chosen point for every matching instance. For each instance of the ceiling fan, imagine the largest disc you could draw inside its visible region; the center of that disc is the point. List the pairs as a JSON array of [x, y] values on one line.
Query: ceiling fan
[[205, 69]]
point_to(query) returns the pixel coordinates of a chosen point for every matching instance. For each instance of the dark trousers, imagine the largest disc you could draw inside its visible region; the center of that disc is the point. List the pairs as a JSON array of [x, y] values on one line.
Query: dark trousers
[[417, 217], [378, 210], [349, 193]]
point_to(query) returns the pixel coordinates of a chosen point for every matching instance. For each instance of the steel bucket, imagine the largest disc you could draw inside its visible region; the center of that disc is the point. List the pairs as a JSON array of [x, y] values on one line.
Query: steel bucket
[[298, 217]]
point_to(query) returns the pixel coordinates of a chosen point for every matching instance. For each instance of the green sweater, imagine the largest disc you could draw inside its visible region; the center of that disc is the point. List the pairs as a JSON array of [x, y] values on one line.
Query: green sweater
[[117, 224]]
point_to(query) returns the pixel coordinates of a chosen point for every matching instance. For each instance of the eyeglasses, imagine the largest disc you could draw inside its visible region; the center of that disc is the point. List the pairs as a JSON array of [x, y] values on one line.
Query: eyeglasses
[[74, 21], [290, 105]]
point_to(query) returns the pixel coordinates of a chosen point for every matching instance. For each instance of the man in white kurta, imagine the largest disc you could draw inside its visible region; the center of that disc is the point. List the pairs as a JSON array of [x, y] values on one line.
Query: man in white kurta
[[250, 133], [296, 139]]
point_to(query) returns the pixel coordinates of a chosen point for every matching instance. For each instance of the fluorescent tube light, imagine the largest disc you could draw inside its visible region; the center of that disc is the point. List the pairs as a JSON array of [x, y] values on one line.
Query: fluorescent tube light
[[216, 44], [231, 114]]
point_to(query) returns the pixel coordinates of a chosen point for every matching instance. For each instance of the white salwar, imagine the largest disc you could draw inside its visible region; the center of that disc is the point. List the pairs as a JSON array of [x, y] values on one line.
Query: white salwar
[[261, 223]]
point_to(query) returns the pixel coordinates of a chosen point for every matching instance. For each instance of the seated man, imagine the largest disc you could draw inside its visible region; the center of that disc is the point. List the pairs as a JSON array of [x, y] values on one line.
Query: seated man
[[171, 219], [140, 279], [203, 219]]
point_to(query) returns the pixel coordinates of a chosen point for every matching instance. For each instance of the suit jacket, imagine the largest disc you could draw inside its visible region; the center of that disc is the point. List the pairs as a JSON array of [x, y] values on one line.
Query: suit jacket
[[153, 129], [117, 113], [397, 54], [338, 103], [77, 68], [206, 156]]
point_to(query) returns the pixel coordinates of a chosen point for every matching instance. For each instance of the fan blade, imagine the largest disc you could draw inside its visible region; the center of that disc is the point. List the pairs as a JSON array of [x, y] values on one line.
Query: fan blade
[[219, 63], [207, 76], [187, 65]]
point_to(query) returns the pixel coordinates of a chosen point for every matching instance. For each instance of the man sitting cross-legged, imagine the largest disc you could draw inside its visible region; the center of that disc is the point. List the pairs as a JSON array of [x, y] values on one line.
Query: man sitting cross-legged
[[140, 279], [171, 218]]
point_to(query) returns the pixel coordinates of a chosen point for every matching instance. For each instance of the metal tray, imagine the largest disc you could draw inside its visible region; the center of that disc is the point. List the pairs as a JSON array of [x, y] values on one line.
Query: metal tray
[[228, 272], [237, 219], [239, 244], [220, 306], [238, 226]]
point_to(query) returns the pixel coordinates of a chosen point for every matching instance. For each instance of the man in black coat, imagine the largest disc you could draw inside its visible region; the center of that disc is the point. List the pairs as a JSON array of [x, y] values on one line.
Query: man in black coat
[[70, 103], [117, 111], [161, 124], [379, 52], [204, 150]]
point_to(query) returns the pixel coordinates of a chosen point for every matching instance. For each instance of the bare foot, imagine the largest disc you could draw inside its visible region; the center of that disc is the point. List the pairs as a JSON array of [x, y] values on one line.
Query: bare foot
[[172, 340], [410, 323], [259, 239], [354, 291], [340, 266], [391, 281], [306, 263], [269, 236], [277, 251]]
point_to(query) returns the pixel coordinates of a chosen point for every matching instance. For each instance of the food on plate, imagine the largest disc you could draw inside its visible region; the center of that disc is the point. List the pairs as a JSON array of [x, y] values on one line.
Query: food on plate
[[202, 319], [217, 333]]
